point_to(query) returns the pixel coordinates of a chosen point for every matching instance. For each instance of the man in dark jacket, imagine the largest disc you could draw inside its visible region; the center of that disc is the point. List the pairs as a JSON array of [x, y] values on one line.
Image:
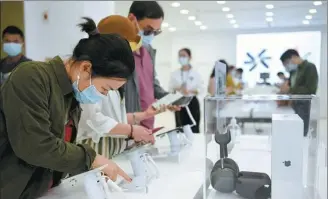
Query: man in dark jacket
[[13, 44], [303, 81]]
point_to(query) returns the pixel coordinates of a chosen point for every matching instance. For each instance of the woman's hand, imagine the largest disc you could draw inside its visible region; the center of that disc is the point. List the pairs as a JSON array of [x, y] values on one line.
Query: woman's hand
[[112, 170], [151, 111], [142, 134]]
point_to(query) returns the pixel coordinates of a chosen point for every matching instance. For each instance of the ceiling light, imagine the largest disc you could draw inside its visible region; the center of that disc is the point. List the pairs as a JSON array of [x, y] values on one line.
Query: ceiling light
[[269, 19], [184, 12], [175, 4], [203, 27], [232, 21], [172, 29], [229, 16], [308, 17], [165, 25], [317, 3], [192, 18], [225, 9], [269, 14], [269, 6], [236, 26], [221, 2], [306, 22], [312, 11], [198, 23]]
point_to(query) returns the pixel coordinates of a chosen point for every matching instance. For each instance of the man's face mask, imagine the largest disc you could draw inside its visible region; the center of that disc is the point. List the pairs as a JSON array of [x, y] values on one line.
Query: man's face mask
[[147, 34]]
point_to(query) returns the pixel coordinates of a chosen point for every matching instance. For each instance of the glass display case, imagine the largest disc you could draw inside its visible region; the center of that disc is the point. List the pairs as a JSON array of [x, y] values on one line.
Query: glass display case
[[261, 147]]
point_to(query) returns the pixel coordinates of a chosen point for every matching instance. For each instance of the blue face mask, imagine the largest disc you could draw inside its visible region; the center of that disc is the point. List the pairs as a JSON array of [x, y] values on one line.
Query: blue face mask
[[291, 67], [12, 49], [184, 61], [146, 39], [90, 95]]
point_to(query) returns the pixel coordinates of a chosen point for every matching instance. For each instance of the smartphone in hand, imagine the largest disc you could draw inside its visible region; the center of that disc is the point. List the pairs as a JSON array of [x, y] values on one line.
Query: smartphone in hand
[[157, 129]]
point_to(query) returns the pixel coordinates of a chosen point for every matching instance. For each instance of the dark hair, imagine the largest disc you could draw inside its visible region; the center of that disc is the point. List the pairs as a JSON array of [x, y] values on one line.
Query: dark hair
[[280, 73], [109, 54], [146, 9], [222, 61], [240, 70], [288, 54], [13, 30], [231, 67], [187, 50]]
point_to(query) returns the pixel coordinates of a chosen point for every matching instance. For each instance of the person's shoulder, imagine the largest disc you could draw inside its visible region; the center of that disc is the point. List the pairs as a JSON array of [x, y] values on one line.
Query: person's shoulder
[[29, 70], [308, 64]]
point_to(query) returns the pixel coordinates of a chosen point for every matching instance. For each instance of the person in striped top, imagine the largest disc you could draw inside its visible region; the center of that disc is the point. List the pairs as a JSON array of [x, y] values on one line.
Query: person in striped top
[[106, 126]]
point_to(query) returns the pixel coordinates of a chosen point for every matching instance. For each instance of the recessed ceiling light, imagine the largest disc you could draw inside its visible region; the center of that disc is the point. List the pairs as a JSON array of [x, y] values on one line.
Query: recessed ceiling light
[[165, 25], [198, 23], [172, 29], [269, 6], [221, 2], [232, 21], [225, 9], [269, 19], [306, 22], [312, 11], [308, 17], [236, 26], [229, 16], [175, 4], [317, 3], [203, 27], [192, 18], [184, 12], [269, 14]]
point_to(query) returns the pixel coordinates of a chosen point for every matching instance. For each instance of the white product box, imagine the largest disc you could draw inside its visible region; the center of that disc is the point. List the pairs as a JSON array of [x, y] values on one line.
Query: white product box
[[287, 157]]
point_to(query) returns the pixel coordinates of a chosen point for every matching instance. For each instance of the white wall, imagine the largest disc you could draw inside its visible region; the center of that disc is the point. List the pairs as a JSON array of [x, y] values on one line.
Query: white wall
[[209, 46], [59, 34]]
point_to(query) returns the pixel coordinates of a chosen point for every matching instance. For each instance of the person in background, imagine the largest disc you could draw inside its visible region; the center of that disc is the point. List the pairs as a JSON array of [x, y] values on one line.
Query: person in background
[[142, 90], [211, 84], [13, 45], [106, 125], [303, 81], [40, 97], [238, 80], [282, 79], [188, 82], [231, 85]]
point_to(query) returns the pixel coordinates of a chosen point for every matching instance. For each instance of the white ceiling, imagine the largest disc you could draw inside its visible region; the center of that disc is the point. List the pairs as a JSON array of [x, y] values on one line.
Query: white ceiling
[[248, 14]]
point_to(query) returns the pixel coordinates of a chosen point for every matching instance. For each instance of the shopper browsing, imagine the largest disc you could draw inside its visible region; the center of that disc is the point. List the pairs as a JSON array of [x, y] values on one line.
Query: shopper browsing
[[40, 97]]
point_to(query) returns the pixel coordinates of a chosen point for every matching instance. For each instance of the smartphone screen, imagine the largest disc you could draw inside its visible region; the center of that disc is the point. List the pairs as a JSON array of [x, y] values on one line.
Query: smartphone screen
[[157, 129]]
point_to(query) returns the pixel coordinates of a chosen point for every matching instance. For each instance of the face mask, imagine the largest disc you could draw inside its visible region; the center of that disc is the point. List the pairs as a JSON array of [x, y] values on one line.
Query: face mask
[[90, 95], [184, 61], [291, 67], [233, 73], [146, 39], [12, 49]]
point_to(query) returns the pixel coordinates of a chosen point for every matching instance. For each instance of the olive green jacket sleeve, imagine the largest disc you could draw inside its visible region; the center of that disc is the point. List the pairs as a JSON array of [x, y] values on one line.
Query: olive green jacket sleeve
[[306, 81], [25, 105]]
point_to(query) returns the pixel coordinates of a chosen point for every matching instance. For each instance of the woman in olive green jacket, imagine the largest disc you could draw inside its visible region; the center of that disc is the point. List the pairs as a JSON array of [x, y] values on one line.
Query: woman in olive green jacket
[[39, 98]]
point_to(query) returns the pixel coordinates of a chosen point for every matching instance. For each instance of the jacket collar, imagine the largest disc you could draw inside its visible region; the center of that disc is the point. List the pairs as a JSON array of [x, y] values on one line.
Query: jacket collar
[[61, 75]]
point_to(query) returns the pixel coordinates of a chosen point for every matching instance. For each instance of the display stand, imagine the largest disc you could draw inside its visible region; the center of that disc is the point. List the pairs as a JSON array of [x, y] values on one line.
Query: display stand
[[180, 140]]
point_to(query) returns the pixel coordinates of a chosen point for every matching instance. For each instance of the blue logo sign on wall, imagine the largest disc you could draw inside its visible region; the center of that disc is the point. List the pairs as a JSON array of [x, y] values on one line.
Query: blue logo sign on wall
[[253, 62]]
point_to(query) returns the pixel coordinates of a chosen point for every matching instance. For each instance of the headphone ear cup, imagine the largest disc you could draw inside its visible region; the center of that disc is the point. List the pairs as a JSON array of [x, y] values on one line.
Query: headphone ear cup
[[224, 179]]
